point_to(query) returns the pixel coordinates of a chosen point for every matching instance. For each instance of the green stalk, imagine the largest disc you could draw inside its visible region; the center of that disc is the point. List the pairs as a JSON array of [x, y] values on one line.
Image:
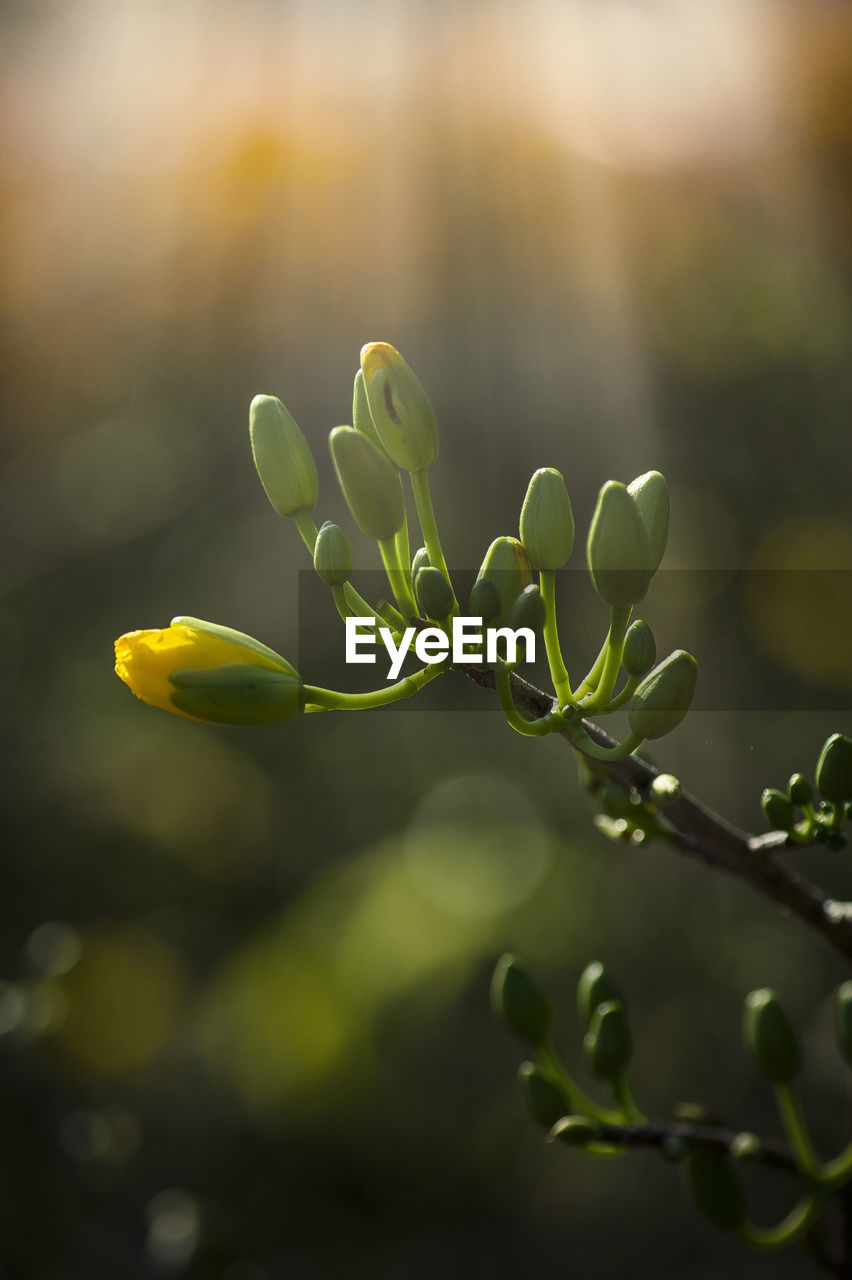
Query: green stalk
[[838, 1171], [333, 700], [626, 1101], [529, 728], [619, 618], [789, 1229], [584, 743], [403, 553], [590, 680], [626, 694], [558, 671], [790, 1107], [397, 577], [304, 522], [580, 1101], [428, 525]]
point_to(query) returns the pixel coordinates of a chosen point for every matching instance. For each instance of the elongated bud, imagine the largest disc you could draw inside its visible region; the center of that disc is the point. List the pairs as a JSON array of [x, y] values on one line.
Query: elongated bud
[[420, 561], [800, 790], [519, 1001], [664, 696], [594, 988], [370, 483], [240, 693], [607, 1041], [282, 457], [715, 1189], [640, 649], [770, 1037], [834, 769], [400, 408], [507, 566], [547, 521], [546, 1101], [843, 1019], [617, 548], [433, 594], [485, 601], [665, 789], [575, 1131], [362, 419], [651, 495], [332, 555], [777, 809]]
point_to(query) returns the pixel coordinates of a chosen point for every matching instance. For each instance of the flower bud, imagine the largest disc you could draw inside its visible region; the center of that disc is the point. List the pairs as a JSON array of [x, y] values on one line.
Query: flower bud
[[546, 1101], [421, 561], [617, 548], [834, 769], [433, 594], [664, 696], [507, 566], [332, 555], [240, 693], [485, 601], [640, 649], [519, 1002], [800, 790], [527, 610], [843, 1019], [665, 789], [769, 1036], [595, 987], [400, 408], [777, 809], [362, 419], [282, 457], [716, 1189], [651, 495], [575, 1131], [370, 483], [547, 521], [607, 1041]]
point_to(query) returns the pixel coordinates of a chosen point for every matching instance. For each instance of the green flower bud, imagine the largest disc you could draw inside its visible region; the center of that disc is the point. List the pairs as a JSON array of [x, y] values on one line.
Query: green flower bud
[[664, 696], [594, 988], [716, 1189], [665, 789], [617, 549], [777, 809], [547, 521], [370, 483], [651, 495], [332, 555], [485, 601], [519, 1002], [238, 693], [843, 1019], [607, 1041], [282, 457], [575, 1131], [433, 594], [640, 649], [800, 790], [362, 419], [421, 561], [770, 1037], [527, 610], [834, 769], [507, 565], [400, 408], [546, 1101]]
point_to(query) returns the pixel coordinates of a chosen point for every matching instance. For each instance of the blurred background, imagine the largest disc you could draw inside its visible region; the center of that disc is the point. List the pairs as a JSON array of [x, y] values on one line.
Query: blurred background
[[244, 1024]]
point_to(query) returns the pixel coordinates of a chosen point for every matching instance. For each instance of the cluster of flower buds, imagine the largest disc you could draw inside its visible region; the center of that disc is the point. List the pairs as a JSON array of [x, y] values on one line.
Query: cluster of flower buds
[[393, 439], [707, 1152], [808, 818]]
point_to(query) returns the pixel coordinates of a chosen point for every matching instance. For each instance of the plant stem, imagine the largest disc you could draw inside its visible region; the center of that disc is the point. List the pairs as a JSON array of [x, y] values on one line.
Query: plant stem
[[428, 525], [397, 577], [619, 618], [332, 700], [558, 671]]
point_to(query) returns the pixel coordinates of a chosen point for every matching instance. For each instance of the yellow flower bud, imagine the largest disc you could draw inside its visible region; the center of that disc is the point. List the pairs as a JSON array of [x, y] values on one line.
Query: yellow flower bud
[[206, 672], [399, 406]]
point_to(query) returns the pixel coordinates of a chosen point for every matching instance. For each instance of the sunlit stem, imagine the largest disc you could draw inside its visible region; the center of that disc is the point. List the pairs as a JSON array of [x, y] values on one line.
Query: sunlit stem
[[624, 1097], [619, 618], [304, 522], [796, 1222], [397, 577], [529, 728], [790, 1107], [333, 700], [428, 525], [581, 1103], [391, 616], [626, 694], [838, 1171], [403, 551], [589, 747], [558, 671], [590, 680]]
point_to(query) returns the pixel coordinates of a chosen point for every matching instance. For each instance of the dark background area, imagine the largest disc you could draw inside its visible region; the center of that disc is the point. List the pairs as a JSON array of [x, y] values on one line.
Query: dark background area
[[244, 1024]]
